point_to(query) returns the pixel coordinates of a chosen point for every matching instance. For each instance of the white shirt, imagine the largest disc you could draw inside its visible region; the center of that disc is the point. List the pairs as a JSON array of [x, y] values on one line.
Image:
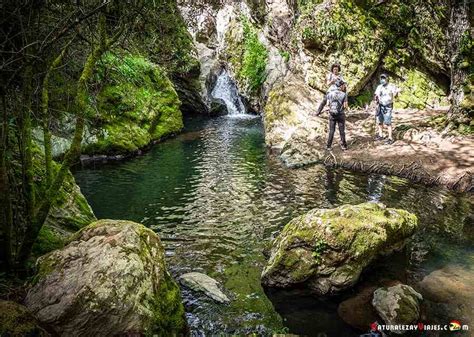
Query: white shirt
[[332, 76], [385, 93]]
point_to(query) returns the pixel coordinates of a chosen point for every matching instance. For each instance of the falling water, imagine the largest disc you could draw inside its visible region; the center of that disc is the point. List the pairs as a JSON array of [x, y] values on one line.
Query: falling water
[[226, 90]]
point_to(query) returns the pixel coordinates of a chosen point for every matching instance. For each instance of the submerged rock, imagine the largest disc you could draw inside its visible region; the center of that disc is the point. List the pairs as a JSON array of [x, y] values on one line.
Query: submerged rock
[[110, 279], [202, 282], [357, 311], [450, 291], [327, 249], [399, 304], [16, 320]]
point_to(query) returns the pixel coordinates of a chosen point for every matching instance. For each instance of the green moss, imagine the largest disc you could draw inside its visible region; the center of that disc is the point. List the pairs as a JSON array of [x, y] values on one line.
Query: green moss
[[248, 55], [137, 105], [418, 91], [46, 265], [47, 241], [15, 320], [168, 310]]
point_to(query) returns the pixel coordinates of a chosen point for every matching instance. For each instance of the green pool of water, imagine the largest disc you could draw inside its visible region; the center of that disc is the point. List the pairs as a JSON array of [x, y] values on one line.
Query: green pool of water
[[217, 197]]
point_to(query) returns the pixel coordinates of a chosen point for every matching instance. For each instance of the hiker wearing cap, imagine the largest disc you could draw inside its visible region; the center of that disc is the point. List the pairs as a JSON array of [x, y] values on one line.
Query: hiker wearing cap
[[336, 99], [334, 75], [384, 96]]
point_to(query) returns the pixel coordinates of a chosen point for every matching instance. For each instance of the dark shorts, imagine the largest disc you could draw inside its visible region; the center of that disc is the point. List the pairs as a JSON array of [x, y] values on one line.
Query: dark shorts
[[384, 114]]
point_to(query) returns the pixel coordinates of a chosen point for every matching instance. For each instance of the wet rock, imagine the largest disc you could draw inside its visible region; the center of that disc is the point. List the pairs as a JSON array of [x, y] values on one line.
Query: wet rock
[[357, 311], [327, 249], [399, 304], [202, 282], [218, 107], [110, 279], [451, 284], [451, 293], [16, 320], [289, 107]]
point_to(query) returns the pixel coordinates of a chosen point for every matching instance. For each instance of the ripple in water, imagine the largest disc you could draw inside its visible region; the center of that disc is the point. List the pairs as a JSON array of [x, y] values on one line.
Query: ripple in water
[[217, 198]]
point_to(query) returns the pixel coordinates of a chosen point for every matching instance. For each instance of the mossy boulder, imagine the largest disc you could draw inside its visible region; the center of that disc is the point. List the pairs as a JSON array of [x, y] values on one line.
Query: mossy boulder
[[396, 305], [110, 279], [136, 105], [16, 320], [289, 107], [327, 249]]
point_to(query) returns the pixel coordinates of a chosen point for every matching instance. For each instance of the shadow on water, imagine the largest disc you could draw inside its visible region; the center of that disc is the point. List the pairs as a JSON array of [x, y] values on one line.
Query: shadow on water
[[217, 198]]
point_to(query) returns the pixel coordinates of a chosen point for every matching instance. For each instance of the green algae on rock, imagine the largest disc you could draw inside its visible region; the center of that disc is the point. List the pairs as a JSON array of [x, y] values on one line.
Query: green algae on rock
[[397, 305], [16, 320], [327, 249], [109, 279], [136, 105]]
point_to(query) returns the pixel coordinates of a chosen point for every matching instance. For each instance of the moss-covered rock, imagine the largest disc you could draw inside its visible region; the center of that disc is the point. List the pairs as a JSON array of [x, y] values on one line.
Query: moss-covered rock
[[16, 320], [289, 106], [246, 54], [417, 90], [399, 304], [109, 279], [327, 249], [136, 105]]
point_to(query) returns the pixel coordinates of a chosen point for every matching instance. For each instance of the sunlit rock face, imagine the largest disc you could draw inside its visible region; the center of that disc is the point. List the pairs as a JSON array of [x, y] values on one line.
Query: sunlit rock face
[[110, 279], [399, 304], [327, 249]]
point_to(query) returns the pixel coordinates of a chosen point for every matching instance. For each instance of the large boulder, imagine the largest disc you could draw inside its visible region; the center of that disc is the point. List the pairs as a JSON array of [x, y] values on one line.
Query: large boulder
[[327, 249], [287, 114], [110, 279], [397, 305]]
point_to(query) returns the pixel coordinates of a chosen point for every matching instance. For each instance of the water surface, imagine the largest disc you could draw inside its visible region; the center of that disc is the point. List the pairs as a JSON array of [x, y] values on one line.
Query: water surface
[[216, 198]]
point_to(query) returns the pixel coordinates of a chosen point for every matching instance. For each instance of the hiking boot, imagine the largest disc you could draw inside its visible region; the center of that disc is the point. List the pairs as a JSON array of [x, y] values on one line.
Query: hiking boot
[[344, 147], [328, 148], [379, 137], [389, 141]]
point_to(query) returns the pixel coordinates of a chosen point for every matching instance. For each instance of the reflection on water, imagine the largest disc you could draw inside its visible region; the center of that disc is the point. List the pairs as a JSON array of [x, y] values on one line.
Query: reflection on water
[[217, 198]]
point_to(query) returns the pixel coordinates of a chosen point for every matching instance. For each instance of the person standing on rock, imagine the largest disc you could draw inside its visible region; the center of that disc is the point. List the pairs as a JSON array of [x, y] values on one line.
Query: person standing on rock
[[384, 96], [333, 76], [336, 99]]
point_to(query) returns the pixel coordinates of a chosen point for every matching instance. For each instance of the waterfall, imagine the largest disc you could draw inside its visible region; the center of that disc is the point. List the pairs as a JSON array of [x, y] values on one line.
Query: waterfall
[[226, 90]]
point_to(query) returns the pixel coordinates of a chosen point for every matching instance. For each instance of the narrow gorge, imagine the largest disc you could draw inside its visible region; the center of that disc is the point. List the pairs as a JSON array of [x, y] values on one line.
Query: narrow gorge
[[163, 171]]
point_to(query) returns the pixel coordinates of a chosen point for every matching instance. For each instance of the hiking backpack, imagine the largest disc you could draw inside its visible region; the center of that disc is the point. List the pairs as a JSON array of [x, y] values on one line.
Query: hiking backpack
[[336, 105]]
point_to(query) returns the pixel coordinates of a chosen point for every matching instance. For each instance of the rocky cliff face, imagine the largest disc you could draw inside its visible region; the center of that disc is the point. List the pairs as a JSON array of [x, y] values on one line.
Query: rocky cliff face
[[280, 48]]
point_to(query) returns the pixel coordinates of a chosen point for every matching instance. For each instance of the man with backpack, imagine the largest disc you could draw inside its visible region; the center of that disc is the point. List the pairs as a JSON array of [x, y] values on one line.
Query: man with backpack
[[336, 99]]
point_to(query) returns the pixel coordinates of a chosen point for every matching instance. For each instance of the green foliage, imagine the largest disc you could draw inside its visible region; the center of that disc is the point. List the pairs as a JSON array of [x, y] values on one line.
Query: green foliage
[[418, 91], [363, 99], [136, 104], [319, 248], [285, 54], [254, 60]]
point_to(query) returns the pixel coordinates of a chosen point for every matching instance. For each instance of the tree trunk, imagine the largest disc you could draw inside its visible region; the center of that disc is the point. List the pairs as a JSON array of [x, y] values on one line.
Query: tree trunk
[[47, 116], [461, 60], [6, 214], [80, 105]]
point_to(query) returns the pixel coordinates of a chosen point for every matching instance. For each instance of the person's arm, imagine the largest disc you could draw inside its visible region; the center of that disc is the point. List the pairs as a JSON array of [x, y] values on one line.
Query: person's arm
[[330, 80], [346, 103], [376, 95], [321, 105]]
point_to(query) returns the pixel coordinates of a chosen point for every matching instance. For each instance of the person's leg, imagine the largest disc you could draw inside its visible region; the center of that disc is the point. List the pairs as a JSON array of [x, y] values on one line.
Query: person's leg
[[341, 123], [379, 121], [388, 123], [389, 129], [332, 129], [380, 130]]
